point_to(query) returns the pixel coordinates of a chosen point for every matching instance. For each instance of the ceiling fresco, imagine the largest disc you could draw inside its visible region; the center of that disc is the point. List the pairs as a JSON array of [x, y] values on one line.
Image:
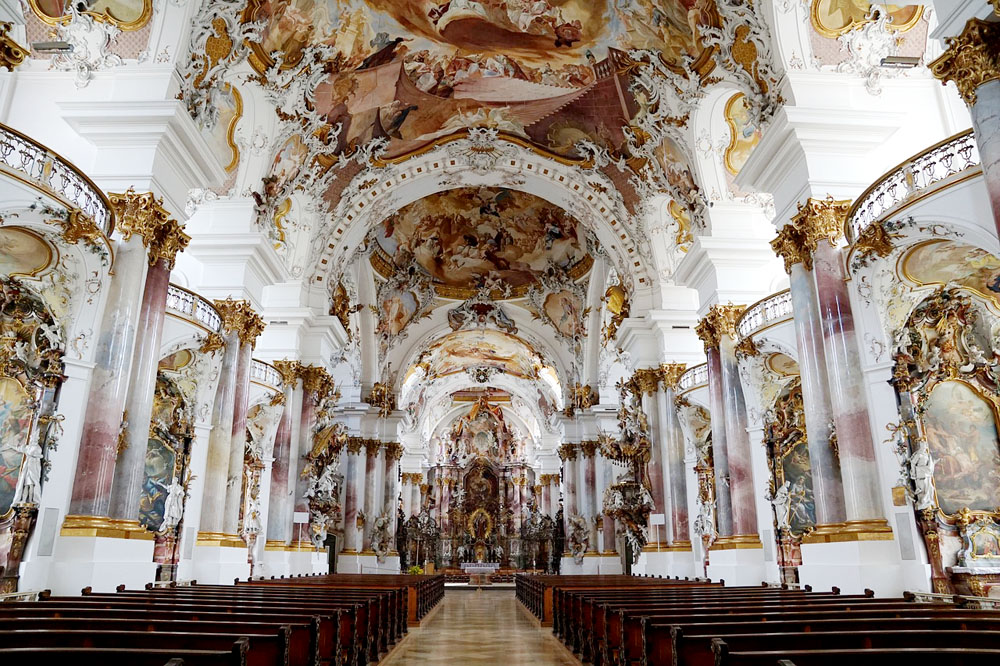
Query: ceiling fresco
[[464, 236], [480, 348]]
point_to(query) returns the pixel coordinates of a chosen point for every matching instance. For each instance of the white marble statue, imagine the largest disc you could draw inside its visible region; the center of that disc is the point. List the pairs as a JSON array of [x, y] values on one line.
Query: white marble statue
[[922, 473], [29, 484], [173, 506], [782, 503]]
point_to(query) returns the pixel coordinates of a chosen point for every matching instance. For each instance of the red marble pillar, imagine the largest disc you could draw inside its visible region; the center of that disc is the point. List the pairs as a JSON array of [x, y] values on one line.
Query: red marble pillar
[[280, 507], [237, 448]]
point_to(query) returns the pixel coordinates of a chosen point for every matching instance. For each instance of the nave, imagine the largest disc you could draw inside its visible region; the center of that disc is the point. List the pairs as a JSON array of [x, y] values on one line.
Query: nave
[[480, 626]]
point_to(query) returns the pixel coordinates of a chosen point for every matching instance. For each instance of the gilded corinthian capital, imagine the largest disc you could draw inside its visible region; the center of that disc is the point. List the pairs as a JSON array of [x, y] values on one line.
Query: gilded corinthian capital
[[289, 371], [972, 58], [238, 317], [816, 220], [720, 321], [144, 214]]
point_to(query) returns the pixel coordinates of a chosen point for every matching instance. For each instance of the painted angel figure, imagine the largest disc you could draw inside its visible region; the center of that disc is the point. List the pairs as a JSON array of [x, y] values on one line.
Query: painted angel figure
[[173, 506]]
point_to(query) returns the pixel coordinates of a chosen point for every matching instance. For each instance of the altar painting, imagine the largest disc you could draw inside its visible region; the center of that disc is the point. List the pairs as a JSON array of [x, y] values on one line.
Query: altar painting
[[16, 416], [961, 433], [397, 310], [565, 310], [159, 472], [947, 262]]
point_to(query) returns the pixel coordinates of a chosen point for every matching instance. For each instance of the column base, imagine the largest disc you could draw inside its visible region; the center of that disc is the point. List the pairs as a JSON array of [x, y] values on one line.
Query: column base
[[348, 562], [218, 560], [101, 563], [673, 561], [274, 560], [854, 566], [590, 566], [852, 530], [738, 559]]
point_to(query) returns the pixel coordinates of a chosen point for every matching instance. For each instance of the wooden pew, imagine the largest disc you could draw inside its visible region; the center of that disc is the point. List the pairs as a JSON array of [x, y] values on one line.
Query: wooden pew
[[77, 656], [950, 656]]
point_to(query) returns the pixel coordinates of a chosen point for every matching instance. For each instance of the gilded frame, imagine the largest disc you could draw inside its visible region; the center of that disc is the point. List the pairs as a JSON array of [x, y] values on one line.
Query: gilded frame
[[830, 33], [105, 17]]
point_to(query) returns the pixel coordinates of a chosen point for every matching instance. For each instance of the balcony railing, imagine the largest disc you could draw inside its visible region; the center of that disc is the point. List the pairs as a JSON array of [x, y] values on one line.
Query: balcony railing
[[919, 174], [43, 169], [194, 307], [693, 377], [776, 307], [265, 373]]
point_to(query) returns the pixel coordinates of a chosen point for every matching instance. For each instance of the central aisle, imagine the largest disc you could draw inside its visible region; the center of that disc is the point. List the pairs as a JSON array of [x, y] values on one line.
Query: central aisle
[[481, 627]]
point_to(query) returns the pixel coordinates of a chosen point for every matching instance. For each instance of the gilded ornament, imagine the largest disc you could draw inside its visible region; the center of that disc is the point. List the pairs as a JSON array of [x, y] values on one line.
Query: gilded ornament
[[646, 380], [581, 397], [382, 397], [567, 451], [318, 383], [972, 58], [212, 343], [138, 213], [670, 374], [790, 245], [875, 240], [747, 347], [821, 219], [12, 54], [289, 370], [238, 317], [393, 450], [277, 399], [720, 320], [78, 227]]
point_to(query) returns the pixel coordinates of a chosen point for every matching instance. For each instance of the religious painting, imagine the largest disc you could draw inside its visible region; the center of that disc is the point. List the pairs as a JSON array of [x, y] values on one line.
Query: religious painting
[[159, 472], [23, 252], [285, 167], [676, 169], [783, 365], [832, 18], [177, 361], [985, 545], [743, 135], [565, 310], [165, 451], [481, 347], [961, 432], [948, 262], [125, 14], [791, 466], [16, 415], [550, 71], [463, 236], [396, 310]]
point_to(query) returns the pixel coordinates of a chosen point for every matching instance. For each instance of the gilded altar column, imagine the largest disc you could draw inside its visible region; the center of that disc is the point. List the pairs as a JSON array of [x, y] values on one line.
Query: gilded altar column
[[828, 490], [734, 475], [279, 513], [234, 315], [167, 239], [673, 441], [317, 388], [567, 453], [353, 479], [253, 326], [822, 222], [589, 451], [372, 447], [392, 452], [105, 421], [972, 61]]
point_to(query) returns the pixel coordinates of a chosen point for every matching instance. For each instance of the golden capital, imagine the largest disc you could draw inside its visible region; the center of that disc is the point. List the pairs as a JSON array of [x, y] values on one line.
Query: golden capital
[[567, 451], [589, 447], [720, 320], [790, 245], [238, 317], [972, 58], [137, 213], [821, 219], [670, 374], [289, 371], [372, 446], [647, 380], [393, 450], [168, 239], [354, 444], [12, 54]]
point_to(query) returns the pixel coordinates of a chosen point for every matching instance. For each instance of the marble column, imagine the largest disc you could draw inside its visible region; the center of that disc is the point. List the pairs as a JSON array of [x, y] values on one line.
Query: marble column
[[821, 221], [237, 448], [737, 442], [353, 480], [546, 501], [720, 450], [608, 524], [279, 514], [392, 452], [673, 436], [568, 453], [217, 464], [415, 503], [647, 383], [372, 510], [406, 493], [136, 217], [972, 61], [828, 489], [589, 451], [126, 486]]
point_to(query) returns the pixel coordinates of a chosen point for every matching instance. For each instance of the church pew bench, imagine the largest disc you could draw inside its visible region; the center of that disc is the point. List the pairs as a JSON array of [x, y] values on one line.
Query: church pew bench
[[78, 656], [328, 626], [871, 638], [692, 643], [260, 649], [873, 657]]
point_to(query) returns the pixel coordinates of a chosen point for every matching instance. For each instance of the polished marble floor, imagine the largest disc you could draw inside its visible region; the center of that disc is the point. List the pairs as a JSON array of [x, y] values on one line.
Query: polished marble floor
[[480, 627]]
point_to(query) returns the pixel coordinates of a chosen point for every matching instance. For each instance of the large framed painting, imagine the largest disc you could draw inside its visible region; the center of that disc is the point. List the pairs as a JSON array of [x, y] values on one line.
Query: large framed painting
[[17, 410], [961, 431]]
